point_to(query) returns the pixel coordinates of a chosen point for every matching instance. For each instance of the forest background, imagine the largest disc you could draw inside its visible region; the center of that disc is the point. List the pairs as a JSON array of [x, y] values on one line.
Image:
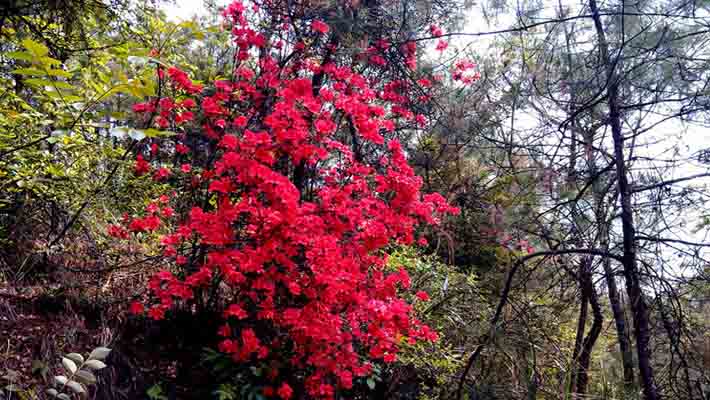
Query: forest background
[[354, 199]]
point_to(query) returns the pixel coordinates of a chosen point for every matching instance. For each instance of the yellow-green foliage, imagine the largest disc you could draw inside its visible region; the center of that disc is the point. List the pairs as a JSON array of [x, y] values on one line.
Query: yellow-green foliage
[[439, 362]]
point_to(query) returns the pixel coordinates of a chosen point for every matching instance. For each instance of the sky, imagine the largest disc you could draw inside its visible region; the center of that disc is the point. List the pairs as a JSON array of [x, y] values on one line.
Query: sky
[[186, 9]]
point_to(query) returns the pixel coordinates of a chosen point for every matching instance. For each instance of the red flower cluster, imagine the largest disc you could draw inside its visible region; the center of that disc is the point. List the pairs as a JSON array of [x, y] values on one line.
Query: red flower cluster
[[320, 27], [442, 45], [301, 221], [460, 72]]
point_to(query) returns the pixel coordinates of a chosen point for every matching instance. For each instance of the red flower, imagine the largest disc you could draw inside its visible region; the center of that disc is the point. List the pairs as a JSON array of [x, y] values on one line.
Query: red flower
[[320, 26], [234, 310], [161, 174], [166, 103], [141, 166], [156, 312], [117, 232], [143, 107], [424, 82], [224, 331], [137, 308], [250, 343], [240, 121], [183, 117], [442, 45], [325, 126], [151, 208], [285, 391], [228, 346], [181, 148], [423, 296], [187, 103]]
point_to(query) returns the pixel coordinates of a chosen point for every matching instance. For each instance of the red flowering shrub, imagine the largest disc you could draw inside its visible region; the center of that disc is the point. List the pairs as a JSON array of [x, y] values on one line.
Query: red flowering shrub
[[291, 219]]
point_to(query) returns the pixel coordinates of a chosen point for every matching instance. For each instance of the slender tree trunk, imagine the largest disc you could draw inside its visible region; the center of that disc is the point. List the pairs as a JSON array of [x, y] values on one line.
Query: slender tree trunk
[[615, 303], [581, 324], [617, 310], [585, 356], [631, 273]]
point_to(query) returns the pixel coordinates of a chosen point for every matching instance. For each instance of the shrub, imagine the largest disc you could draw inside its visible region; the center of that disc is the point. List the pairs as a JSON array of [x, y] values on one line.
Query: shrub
[[288, 188]]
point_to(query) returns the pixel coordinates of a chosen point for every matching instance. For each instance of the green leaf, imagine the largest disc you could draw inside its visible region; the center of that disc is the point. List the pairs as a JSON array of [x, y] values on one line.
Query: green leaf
[[95, 364], [123, 88], [13, 388], [38, 82], [155, 392], [75, 356], [29, 71], [70, 98], [59, 72], [64, 396], [61, 379], [225, 392], [52, 392], [49, 61], [62, 85], [370, 383], [158, 133], [99, 353], [19, 55], [55, 170], [85, 376], [69, 365], [76, 387], [48, 83], [37, 49]]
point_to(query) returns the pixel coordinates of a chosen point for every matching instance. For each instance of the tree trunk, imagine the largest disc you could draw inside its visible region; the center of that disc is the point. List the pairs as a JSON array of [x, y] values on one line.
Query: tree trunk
[[631, 273], [585, 356], [581, 324], [617, 310]]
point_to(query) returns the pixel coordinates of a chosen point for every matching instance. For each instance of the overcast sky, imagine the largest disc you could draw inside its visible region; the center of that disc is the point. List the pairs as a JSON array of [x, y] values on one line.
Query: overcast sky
[[186, 9]]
